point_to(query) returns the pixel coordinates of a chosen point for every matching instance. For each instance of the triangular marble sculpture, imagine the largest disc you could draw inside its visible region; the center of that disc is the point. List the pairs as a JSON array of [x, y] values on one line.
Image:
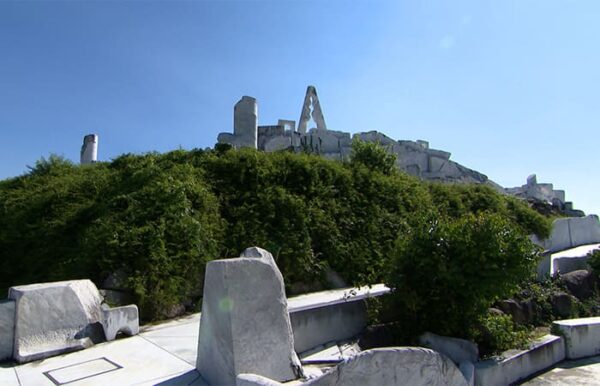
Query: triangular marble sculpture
[[311, 109]]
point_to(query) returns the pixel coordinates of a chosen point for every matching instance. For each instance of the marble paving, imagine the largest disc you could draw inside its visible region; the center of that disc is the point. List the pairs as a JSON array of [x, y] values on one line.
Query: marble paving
[[584, 371], [165, 354]]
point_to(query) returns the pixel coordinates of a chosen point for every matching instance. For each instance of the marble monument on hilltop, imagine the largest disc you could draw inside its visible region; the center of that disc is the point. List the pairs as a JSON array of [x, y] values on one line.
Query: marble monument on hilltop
[[415, 158], [89, 149]]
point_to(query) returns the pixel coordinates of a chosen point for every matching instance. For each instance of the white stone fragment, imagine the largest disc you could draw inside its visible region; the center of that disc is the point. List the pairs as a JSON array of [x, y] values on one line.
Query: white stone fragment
[[245, 325], [572, 232], [393, 366], [311, 109], [245, 125], [413, 157], [424, 144], [538, 191], [52, 318], [277, 143], [287, 124], [582, 336], [585, 230], [123, 319], [245, 121], [254, 380], [459, 350], [7, 329], [89, 149]]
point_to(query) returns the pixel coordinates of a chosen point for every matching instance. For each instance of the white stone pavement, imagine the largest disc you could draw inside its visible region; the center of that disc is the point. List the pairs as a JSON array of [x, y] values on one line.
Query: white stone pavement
[[584, 371], [165, 354], [162, 354]]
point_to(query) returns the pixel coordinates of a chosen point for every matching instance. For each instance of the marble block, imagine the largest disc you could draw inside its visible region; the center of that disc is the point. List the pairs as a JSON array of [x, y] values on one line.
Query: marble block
[[53, 318], [120, 319], [245, 325], [394, 366], [245, 122], [7, 328], [459, 350]]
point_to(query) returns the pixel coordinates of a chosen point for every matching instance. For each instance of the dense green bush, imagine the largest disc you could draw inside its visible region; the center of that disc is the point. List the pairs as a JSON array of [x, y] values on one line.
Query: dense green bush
[[312, 213], [497, 333], [155, 221], [594, 260], [373, 156], [160, 217], [459, 200], [43, 216], [159, 224], [447, 272]]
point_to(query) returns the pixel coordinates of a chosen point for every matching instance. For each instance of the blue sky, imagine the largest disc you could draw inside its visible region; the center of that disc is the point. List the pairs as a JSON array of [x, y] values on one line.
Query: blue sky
[[510, 88]]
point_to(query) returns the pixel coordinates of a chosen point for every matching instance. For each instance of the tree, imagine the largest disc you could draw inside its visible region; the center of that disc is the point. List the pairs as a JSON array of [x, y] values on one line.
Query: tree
[[372, 155], [445, 273]]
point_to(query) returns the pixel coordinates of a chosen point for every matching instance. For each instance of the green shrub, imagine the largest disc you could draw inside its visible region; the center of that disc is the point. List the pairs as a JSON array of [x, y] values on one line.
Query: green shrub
[[594, 260], [458, 200], [372, 155], [160, 225], [43, 216], [312, 213], [447, 272], [148, 216], [497, 333], [160, 217]]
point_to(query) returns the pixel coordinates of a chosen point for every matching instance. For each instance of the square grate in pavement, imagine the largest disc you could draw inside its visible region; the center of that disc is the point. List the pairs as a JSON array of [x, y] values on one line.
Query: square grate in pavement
[[84, 370]]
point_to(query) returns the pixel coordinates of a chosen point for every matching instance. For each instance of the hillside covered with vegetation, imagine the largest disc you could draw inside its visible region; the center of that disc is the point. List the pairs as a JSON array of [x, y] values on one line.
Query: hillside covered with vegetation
[[157, 219]]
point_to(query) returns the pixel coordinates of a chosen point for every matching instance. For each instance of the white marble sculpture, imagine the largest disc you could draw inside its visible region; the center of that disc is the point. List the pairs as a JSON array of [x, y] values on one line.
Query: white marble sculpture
[[54, 318], [245, 124], [390, 366], [89, 149], [414, 157], [245, 325], [311, 108]]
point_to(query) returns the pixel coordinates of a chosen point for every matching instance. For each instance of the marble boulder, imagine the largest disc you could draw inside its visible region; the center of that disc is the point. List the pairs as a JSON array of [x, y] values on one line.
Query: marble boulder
[[53, 318], [245, 325], [394, 366]]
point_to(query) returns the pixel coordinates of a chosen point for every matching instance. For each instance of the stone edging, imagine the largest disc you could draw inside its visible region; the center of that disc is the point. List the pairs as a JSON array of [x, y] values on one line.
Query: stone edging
[[579, 338]]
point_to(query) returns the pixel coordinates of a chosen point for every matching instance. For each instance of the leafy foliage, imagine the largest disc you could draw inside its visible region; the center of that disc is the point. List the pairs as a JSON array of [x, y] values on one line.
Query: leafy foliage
[[372, 155], [160, 225], [41, 221], [459, 200], [594, 261], [160, 217], [312, 213], [497, 333], [447, 272], [154, 220]]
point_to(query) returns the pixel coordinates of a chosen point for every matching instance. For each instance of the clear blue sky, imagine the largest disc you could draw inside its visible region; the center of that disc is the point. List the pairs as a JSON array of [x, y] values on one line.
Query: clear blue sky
[[509, 87]]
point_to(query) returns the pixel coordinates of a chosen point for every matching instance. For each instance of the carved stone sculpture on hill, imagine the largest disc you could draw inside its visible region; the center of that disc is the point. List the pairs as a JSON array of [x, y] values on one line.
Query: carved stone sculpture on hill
[[415, 158], [311, 108], [89, 149]]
